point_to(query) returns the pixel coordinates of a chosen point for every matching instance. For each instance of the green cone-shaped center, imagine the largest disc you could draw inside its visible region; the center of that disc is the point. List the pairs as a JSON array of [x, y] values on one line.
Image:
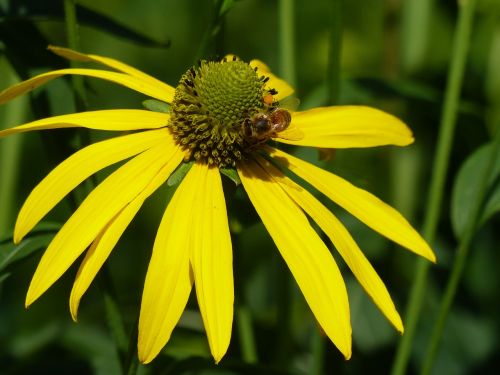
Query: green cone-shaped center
[[210, 105]]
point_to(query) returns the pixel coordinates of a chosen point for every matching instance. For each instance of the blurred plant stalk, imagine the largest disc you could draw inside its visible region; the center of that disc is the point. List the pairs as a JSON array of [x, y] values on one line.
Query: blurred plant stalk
[[10, 153], [456, 71], [416, 20], [460, 259]]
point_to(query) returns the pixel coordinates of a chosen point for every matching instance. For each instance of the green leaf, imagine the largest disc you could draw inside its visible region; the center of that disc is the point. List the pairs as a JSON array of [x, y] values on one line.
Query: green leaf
[[156, 105], [466, 189], [45, 227], [179, 173], [11, 253], [91, 343], [492, 205], [4, 277], [232, 174], [226, 7]]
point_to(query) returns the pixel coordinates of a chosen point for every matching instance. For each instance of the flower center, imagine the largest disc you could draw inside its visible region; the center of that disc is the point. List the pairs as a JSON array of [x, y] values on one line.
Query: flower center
[[212, 103]]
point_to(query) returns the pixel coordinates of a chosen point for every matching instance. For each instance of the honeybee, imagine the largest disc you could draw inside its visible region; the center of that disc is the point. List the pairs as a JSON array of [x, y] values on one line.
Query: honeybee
[[262, 126]]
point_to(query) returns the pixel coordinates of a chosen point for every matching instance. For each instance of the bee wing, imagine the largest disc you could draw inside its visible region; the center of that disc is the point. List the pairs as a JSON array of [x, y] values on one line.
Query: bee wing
[[292, 133], [290, 103]]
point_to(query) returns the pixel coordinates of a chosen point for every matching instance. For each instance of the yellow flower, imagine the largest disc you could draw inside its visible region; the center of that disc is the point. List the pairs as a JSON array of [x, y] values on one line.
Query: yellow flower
[[222, 114]]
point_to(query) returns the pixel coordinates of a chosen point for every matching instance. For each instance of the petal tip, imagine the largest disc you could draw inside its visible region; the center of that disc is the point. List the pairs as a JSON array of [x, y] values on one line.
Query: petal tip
[[73, 310], [347, 354], [29, 300], [18, 233], [144, 357]]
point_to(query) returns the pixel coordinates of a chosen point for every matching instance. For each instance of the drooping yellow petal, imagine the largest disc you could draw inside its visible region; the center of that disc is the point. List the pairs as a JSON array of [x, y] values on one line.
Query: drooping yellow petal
[[109, 236], [134, 83], [348, 126], [101, 205], [308, 258], [283, 88], [79, 166], [115, 64], [211, 258], [169, 279], [365, 206], [111, 119], [343, 242]]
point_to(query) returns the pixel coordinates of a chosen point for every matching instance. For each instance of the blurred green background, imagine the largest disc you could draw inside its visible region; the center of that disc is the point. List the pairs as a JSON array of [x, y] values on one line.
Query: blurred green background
[[395, 56]]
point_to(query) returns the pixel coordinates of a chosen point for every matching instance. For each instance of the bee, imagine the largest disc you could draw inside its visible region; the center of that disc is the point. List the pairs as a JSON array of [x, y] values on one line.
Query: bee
[[262, 126]]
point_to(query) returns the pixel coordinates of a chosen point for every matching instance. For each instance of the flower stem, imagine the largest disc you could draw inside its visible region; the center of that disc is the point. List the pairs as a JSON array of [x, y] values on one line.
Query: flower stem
[[335, 52], [286, 50], [114, 318], [460, 259], [73, 40], [247, 339], [445, 139], [287, 40], [318, 352], [333, 82], [10, 154], [213, 39]]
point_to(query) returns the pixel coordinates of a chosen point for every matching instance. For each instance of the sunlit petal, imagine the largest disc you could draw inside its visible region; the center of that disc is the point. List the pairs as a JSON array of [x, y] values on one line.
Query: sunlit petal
[[169, 279], [102, 204], [283, 88], [115, 64], [308, 258], [343, 242], [109, 236], [360, 203], [79, 166], [211, 258], [134, 83], [348, 126], [112, 119]]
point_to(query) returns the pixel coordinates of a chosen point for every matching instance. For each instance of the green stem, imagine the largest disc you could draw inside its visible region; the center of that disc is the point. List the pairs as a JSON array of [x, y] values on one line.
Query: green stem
[[213, 39], [133, 366], [247, 339], [333, 82], [445, 140], [10, 155], [318, 352], [287, 40], [113, 315], [335, 52], [73, 40], [416, 18], [286, 43], [460, 259], [114, 318]]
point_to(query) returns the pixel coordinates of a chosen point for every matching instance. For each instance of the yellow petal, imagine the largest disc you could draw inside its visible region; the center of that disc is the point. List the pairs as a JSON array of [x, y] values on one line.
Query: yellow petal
[[134, 83], [211, 258], [365, 206], [74, 170], [109, 236], [102, 204], [309, 260], [343, 242], [349, 126], [169, 279], [283, 88], [291, 134], [112, 119], [115, 64]]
